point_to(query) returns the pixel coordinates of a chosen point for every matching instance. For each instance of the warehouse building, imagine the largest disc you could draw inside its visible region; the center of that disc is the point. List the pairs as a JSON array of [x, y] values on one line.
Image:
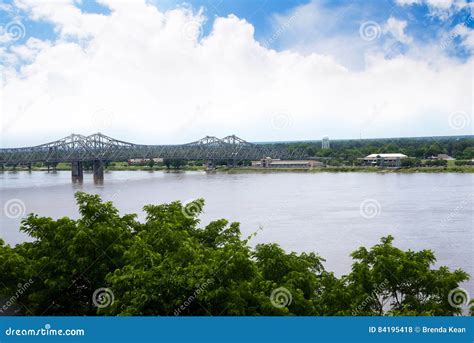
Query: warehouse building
[[276, 163], [384, 160]]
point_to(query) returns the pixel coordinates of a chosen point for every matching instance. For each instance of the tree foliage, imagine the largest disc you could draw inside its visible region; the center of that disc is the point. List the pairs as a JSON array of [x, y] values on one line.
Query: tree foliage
[[168, 265], [420, 148]]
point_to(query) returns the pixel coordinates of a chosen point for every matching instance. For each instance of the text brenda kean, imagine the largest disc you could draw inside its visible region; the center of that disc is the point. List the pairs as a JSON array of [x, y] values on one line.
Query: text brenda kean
[[46, 331], [417, 329]]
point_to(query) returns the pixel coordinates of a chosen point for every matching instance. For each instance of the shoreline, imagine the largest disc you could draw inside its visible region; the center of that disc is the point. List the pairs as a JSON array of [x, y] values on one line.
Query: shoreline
[[242, 170]]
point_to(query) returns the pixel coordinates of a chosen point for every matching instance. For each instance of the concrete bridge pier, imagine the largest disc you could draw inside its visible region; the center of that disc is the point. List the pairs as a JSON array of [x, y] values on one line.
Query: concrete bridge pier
[[54, 165], [77, 170], [98, 170]]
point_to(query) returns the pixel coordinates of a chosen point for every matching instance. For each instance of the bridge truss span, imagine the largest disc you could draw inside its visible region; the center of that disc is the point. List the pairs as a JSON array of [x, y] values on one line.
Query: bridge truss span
[[99, 147]]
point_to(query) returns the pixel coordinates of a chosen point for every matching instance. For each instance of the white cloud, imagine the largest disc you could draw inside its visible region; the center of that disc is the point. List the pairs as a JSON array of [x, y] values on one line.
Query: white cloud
[[5, 7], [69, 20], [444, 4], [30, 49], [408, 2], [467, 36], [439, 8], [397, 29], [143, 77]]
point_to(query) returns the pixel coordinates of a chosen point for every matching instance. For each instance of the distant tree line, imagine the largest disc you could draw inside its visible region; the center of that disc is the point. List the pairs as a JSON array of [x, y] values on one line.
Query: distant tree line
[[461, 148], [107, 264]]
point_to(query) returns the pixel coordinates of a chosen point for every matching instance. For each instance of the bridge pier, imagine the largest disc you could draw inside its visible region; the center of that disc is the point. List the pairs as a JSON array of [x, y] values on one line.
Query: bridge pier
[[77, 170], [54, 165], [98, 170]]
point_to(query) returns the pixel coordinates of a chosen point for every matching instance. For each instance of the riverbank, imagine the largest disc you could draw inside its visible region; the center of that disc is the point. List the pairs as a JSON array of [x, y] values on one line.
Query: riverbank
[[348, 169], [353, 169]]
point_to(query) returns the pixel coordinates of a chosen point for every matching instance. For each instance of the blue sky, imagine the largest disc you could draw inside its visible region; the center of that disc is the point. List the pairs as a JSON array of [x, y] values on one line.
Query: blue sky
[[286, 69], [424, 25]]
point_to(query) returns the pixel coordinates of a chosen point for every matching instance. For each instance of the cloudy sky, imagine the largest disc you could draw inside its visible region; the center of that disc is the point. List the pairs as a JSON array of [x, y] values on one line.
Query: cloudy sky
[[171, 72]]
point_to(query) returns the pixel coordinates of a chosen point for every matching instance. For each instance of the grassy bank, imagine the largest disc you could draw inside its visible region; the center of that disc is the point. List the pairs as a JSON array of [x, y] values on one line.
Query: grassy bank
[[351, 170], [348, 169]]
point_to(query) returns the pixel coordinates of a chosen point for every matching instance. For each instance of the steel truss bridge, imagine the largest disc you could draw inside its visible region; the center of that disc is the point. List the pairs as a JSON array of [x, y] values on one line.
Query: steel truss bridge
[[99, 148]]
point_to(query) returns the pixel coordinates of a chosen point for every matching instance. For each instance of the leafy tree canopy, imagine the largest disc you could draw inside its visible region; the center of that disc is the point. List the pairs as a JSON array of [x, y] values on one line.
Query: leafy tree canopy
[[168, 265]]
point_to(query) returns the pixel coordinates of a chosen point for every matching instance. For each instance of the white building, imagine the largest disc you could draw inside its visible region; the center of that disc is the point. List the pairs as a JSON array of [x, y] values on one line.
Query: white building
[[444, 157], [276, 163], [143, 161], [384, 160]]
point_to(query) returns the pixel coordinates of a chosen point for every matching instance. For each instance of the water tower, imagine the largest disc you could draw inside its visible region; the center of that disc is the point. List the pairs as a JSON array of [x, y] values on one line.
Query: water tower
[[325, 142]]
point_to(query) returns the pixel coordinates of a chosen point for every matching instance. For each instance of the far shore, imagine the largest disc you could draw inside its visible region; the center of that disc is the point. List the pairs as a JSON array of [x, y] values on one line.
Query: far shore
[[238, 170]]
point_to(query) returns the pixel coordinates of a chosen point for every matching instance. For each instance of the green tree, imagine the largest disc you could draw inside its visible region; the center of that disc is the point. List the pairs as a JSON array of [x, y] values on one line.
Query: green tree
[[433, 150], [167, 163], [69, 259], [410, 162], [169, 265], [173, 163], [401, 282], [389, 148], [468, 153]]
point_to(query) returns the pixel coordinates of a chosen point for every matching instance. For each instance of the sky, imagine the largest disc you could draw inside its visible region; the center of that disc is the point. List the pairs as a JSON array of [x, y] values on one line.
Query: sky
[[169, 72]]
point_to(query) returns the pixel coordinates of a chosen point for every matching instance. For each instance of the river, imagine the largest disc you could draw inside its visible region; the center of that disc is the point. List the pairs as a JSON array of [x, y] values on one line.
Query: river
[[328, 213]]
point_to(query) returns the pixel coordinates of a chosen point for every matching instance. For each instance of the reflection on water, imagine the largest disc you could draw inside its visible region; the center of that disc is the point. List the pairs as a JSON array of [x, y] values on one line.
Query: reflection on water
[[329, 213]]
